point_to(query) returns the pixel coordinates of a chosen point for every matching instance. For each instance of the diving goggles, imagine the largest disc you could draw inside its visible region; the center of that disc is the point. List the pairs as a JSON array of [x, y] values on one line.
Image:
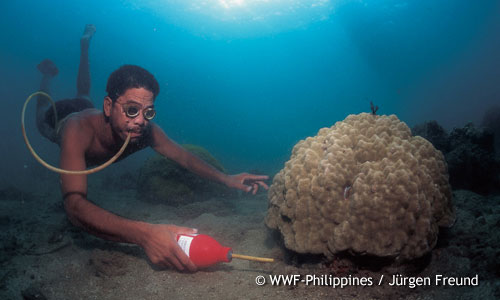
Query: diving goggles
[[133, 110]]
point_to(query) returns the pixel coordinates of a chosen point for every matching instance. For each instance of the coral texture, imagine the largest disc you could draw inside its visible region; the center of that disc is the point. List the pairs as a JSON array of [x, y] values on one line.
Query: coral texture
[[366, 186]]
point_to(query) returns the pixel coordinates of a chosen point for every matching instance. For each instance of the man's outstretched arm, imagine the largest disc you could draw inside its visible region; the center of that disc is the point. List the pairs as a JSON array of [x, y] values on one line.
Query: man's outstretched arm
[[158, 240], [168, 148]]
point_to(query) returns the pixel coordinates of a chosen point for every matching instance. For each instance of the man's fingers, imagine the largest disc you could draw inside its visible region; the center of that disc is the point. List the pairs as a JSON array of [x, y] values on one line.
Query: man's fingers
[[255, 188], [254, 178], [176, 263], [263, 184], [184, 260], [166, 264], [179, 260], [185, 230]]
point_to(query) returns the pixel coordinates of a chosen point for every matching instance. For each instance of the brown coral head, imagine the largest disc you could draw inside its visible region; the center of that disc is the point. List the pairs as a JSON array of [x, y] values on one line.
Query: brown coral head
[[362, 186]]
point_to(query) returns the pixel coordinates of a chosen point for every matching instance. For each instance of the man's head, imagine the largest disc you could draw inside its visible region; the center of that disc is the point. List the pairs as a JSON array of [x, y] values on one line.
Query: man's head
[[129, 106], [130, 76]]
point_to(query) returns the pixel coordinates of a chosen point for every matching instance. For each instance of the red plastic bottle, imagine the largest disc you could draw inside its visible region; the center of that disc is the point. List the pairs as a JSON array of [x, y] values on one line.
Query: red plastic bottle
[[204, 250]]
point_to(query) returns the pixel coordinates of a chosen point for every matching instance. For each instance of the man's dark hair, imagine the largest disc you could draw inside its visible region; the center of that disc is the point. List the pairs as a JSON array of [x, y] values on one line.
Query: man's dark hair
[[130, 76]]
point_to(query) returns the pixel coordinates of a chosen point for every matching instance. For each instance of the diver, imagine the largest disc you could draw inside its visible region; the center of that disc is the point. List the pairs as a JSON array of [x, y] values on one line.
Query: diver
[[88, 137]]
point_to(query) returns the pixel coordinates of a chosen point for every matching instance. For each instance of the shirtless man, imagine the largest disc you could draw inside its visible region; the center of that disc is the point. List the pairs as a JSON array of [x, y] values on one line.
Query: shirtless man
[[88, 137]]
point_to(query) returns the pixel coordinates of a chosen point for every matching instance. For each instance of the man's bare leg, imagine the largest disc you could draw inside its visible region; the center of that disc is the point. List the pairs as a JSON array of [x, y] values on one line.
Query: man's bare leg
[[48, 70], [83, 80]]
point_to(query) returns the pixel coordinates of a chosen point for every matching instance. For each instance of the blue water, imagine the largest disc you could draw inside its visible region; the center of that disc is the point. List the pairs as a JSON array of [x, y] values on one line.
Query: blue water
[[248, 79]]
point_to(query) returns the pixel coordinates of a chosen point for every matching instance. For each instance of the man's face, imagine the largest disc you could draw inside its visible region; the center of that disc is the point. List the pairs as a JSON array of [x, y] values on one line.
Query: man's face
[[133, 100]]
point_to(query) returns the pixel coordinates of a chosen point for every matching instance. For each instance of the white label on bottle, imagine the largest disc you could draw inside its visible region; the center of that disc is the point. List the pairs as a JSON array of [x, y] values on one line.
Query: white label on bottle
[[185, 243]]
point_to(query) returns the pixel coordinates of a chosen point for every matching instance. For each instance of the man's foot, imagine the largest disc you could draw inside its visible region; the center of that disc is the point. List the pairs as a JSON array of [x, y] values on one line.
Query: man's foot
[[88, 32], [48, 67]]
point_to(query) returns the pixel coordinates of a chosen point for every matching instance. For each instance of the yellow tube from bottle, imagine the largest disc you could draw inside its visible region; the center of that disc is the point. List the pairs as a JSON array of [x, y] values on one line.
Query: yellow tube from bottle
[[252, 258]]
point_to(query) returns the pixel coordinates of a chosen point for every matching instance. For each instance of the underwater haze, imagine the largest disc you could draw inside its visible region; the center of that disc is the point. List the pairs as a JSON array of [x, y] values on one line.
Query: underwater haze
[[248, 79]]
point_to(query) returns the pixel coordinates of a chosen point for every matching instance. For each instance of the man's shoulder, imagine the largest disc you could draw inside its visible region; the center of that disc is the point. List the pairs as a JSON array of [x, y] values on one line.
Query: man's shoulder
[[87, 117], [85, 122]]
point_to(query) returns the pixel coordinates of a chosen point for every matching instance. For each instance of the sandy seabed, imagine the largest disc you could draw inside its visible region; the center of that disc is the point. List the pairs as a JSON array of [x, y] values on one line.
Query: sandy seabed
[[43, 256]]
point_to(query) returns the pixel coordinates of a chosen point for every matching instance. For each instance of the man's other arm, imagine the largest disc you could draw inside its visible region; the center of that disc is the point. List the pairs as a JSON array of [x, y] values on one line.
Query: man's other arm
[[168, 148]]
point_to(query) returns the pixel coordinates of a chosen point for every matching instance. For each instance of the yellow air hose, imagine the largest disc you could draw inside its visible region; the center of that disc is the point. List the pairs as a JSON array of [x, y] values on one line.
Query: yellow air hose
[[58, 170], [253, 258]]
